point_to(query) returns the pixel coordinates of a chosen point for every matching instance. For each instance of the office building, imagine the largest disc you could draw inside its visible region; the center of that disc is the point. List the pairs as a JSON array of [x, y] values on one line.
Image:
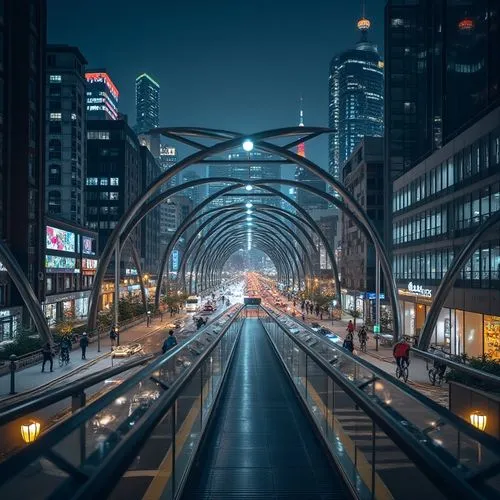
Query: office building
[[362, 176], [70, 265], [167, 159], [147, 103], [65, 133], [102, 96], [114, 181], [194, 193], [356, 98], [22, 161]]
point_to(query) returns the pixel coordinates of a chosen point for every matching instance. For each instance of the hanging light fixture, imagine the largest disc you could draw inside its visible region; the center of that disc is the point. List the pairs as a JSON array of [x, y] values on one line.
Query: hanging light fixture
[[30, 431]]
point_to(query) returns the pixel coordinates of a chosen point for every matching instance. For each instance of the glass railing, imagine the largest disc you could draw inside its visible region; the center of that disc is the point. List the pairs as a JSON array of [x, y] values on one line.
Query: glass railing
[[168, 401], [385, 436]]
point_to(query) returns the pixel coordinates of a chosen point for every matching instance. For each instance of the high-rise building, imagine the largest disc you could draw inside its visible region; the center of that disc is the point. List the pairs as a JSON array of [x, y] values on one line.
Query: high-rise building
[[22, 163], [102, 96], [168, 158], [443, 162], [114, 180], [147, 103], [304, 198], [356, 98], [194, 193], [66, 130]]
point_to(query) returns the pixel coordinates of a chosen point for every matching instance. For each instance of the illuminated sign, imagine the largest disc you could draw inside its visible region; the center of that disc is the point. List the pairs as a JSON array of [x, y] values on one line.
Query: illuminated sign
[[2, 267], [103, 78], [60, 264], [87, 245], [167, 151], [419, 290], [89, 263], [175, 261], [57, 239], [131, 272]]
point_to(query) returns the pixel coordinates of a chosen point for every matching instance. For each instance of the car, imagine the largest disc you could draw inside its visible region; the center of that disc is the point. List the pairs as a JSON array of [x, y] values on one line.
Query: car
[[208, 308], [125, 351]]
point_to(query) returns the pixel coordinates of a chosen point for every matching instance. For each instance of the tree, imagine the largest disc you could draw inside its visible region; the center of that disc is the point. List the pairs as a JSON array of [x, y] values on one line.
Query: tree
[[65, 325], [355, 313]]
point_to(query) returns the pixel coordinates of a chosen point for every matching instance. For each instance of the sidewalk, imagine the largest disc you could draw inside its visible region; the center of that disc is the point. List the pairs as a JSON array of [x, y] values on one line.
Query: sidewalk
[[32, 377]]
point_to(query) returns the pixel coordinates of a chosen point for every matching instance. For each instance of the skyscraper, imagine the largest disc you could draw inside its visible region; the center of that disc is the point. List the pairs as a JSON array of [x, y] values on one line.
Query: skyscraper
[[356, 98], [304, 198], [66, 130], [102, 96], [147, 103]]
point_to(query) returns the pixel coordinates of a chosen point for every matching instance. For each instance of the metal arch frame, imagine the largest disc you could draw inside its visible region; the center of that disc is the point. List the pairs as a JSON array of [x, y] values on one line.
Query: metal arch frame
[[259, 232], [278, 244], [241, 217], [451, 275], [190, 219], [222, 230], [259, 140], [23, 286]]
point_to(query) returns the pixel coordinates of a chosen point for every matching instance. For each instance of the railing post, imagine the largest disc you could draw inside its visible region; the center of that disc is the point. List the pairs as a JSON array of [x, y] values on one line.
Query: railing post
[[174, 420], [78, 401], [13, 368]]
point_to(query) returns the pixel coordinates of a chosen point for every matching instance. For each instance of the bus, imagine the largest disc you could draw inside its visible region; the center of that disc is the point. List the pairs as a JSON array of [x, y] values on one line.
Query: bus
[[193, 303]]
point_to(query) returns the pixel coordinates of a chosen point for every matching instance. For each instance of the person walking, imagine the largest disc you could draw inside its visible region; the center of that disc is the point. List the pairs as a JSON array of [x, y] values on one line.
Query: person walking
[[84, 342], [170, 342], [350, 327], [349, 343], [48, 355]]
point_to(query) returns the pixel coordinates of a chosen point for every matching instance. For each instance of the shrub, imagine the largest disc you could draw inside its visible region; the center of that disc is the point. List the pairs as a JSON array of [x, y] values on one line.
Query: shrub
[[483, 363], [26, 341]]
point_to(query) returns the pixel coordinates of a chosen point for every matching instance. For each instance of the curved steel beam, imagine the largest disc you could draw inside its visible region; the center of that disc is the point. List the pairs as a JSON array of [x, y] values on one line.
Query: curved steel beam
[[451, 275], [17, 275]]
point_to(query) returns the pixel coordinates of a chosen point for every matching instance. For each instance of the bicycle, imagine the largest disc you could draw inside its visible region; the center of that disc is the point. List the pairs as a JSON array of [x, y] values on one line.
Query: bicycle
[[436, 376], [63, 357], [402, 370], [362, 345]]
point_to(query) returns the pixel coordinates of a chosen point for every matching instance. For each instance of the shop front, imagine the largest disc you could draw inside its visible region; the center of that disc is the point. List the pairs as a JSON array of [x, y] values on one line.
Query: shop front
[[10, 323], [353, 301], [457, 331], [73, 305]]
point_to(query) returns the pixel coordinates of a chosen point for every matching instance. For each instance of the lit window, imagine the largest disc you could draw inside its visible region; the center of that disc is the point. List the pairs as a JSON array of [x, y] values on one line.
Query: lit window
[[113, 195], [55, 116], [104, 181], [102, 135], [91, 181], [114, 181], [55, 78], [73, 116]]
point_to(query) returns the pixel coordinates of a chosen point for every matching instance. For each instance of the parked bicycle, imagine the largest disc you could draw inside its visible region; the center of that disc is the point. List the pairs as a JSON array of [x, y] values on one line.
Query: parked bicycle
[[436, 375]]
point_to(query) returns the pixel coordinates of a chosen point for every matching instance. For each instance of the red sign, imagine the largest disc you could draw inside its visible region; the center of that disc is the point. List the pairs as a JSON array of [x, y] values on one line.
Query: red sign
[[103, 77]]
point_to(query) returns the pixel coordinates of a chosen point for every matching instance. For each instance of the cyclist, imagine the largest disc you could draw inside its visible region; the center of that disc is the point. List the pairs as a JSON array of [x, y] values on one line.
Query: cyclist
[[65, 347], [362, 336], [401, 353], [439, 365]]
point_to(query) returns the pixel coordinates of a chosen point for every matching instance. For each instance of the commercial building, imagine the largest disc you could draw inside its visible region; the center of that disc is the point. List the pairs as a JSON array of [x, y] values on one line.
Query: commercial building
[[363, 177], [71, 262], [22, 161], [194, 193], [147, 103], [66, 130], [356, 98], [167, 159], [114, 181], [102, 96]]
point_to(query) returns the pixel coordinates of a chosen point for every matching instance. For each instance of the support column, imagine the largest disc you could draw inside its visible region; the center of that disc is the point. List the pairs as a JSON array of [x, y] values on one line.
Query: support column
[[377, 295], [117, 281]]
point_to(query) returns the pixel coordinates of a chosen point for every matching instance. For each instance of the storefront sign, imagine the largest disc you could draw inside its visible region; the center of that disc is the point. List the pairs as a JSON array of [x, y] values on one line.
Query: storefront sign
[[87, 245], [175, 260], [373, 296], [89, 263], [59, 264], [52, 299], [131, 272], [58, 239], [419, 290]]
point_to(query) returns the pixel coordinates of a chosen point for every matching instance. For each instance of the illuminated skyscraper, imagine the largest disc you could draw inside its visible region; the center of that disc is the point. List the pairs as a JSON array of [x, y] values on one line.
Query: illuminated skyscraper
[[356, 98], [147, 103], [102, 96]]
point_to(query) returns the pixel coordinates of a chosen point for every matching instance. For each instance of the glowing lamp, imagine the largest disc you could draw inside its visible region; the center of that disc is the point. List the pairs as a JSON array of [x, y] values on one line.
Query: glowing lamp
[[249, 205], [247, 145], [466, 24], [364, 24], [248, 187], [249, 212], [478, 420], [30, 431], [249, 219]]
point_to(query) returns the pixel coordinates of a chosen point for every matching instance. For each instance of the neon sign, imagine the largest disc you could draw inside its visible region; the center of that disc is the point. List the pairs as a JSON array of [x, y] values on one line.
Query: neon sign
[[419, 290], [103, 78]]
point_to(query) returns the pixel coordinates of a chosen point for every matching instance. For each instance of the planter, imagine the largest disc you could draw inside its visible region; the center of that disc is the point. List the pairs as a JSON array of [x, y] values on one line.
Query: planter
[[465, 400]]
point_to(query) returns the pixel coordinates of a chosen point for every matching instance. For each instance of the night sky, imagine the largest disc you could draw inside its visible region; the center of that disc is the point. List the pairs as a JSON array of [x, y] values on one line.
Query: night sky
[[239, 65]]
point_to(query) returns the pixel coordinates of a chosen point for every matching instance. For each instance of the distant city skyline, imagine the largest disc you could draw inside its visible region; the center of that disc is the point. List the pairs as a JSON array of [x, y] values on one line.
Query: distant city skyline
[[220, 74]]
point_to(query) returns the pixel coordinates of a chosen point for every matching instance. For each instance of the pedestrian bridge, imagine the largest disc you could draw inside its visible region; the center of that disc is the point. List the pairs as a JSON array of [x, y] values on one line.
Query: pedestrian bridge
[[256, 406]]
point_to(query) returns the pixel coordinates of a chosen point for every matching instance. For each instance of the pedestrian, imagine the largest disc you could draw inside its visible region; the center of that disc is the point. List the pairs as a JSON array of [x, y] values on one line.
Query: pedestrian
[[48, 355], [113, 335], [170, 342], [349, 343], [321, 315], [303, 317], [350, 327], [84, 342]]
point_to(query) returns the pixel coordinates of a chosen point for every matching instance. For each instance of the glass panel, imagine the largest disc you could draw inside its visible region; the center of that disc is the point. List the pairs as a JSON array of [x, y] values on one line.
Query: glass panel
[[473, 334]]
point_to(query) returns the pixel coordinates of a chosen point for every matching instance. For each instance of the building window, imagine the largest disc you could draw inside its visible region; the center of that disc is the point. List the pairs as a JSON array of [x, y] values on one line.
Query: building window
[[102, 135], [73, 116], [104, 195], [114, 181], [103, 181], [48, 282], [55, 78], [113, 195], [55, 175], [54, 149], [54, 202], [91, 181]]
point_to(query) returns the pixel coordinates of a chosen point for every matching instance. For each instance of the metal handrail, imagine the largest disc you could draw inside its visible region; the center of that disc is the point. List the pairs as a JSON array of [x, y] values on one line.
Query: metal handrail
[[484, 439], [473, 372], [46, 441], [435, 469], [47, 398]]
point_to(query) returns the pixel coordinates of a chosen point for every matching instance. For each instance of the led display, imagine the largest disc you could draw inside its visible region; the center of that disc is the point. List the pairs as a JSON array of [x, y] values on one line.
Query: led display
[[60, 264], [57, 239]]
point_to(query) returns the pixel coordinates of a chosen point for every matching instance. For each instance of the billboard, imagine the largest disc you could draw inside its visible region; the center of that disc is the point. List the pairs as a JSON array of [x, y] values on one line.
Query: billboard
[[175, 261], [60, 264], [89, 263], [58, 239], [87, 245]]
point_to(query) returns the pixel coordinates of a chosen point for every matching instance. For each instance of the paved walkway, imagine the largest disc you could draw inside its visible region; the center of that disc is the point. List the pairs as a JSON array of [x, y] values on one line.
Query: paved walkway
[[32, 377]]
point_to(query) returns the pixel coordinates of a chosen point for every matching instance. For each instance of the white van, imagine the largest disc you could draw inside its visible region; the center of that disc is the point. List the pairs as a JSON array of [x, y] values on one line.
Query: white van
[[193, 303]]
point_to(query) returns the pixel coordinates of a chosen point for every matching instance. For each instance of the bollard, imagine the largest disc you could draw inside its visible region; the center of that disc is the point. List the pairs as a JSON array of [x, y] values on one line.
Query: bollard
[[376, 342], [13, 368]]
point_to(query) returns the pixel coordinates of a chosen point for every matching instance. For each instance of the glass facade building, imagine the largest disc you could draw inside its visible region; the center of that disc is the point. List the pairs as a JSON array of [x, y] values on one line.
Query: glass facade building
[[356, 101], [147, 103]]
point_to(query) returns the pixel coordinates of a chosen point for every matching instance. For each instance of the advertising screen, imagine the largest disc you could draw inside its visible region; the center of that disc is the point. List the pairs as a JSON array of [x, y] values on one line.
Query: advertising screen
[[87, 245], [57, 239], [60, 264], [175, 261], [89, 263]]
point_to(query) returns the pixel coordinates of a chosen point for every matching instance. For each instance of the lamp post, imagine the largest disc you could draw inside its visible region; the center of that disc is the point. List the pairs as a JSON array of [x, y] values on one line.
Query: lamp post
[[30, 431]]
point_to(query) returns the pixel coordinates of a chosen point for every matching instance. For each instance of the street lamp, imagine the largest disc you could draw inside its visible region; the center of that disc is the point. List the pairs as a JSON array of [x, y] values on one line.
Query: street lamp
[[478, 420], [247, 145], [248, 205], [248, 187], [30, 431]]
